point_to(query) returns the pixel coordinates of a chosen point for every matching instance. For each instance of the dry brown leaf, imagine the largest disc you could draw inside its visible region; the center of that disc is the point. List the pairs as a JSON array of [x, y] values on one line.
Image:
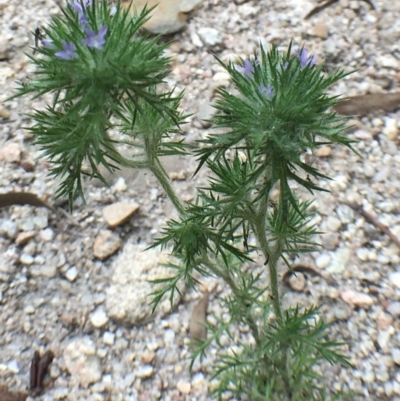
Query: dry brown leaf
[[23, 198], [299, 269], [197, 323], [328, 3], [364, 104]]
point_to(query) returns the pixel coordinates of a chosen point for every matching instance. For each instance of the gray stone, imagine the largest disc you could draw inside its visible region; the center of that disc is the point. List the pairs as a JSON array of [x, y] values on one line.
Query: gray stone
[[128, 298], [82, 362], [330, 241], [333, 224], [210, 36], [339, 261], [106, 244], [8, 228]]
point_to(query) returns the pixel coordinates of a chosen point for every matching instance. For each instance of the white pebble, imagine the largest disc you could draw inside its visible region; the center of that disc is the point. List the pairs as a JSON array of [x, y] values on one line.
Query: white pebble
[[368, 376], [362, 254], [120, 185], [391, 130], [13, 366], [395, 279], [99, 318], [144, 372], [47, 234], [169, 336], [333, 224], [26, 259], [9, 228], [61, 393], [396, 355], [210, 36], [72, 273], [29, 309], [108, 338], [388, 389], [323, 260], [39, 259], [41, 221]]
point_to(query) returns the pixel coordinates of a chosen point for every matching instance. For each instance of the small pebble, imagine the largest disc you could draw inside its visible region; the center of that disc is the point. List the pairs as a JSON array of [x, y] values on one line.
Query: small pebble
[[183, 386], [120, 185], [333, 223], [108, 338], [99, 318], [26, 259], [356, 298], [8, 228], [323, 260], [297, 281], [72, 273], [395, 279], [144, 372], [210, 36], [13, 366], [47, 234]]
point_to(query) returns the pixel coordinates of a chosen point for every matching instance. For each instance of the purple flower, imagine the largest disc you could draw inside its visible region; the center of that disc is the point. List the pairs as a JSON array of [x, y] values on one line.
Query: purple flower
[[304, 59], [285, 65], [69, 51], [47, 43], [247, 70], [78, 6], [269, 90], [81, 11], [95, 41]]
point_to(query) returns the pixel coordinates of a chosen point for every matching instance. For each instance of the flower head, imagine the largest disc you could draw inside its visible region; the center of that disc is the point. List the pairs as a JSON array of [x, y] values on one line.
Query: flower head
[[304, 59], [93, 40], [247, 69], [68, 52], [268, 91]]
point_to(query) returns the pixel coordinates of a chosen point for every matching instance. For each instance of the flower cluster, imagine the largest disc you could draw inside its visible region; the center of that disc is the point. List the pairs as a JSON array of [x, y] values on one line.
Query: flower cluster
[[269, 91], [92, 40]]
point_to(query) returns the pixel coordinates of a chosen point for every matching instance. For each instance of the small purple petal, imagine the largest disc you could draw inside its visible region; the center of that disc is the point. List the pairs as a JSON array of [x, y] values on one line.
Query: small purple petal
[[81, 12], [285, 65], [47, 43], [77, 6], [69, 51], [95, 41], [304, 59], [247, 70], [269, 90]]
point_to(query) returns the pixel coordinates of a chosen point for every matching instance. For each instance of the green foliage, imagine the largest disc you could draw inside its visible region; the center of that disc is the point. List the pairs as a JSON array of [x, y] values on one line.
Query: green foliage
[[98, 89], [104, 76]]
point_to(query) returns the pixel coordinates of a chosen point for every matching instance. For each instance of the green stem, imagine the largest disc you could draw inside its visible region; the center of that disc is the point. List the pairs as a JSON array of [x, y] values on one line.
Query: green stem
[[226, 276], [272, 255], [158, 170]]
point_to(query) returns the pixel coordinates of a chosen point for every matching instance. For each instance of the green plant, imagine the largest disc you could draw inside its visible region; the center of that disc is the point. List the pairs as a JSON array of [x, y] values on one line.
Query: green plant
[[104, 74]]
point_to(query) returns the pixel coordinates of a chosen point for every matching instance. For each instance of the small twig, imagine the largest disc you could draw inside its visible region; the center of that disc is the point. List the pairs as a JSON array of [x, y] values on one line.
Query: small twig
[[372, 219], [317, 9]]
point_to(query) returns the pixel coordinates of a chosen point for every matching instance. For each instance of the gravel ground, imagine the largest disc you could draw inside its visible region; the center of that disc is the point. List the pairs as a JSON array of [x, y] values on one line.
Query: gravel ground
[[60, 291]]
